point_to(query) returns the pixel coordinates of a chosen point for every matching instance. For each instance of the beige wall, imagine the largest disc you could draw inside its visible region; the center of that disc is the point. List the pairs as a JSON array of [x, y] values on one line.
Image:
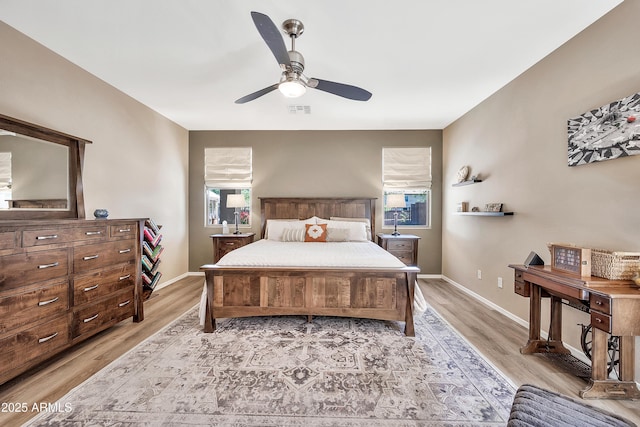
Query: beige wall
[[517, 141], [137, 164], [308, 164]]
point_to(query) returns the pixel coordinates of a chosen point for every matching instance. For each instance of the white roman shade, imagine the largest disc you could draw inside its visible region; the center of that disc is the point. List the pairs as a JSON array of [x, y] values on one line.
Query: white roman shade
[[406, 167], [228, 167], [5, 170]]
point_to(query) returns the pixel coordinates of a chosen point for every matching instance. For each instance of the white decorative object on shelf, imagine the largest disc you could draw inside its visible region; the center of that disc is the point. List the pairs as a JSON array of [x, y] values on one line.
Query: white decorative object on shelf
[[463, 172]]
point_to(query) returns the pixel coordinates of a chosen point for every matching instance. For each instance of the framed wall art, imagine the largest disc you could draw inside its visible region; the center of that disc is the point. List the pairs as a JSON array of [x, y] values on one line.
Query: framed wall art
[[605, 133]]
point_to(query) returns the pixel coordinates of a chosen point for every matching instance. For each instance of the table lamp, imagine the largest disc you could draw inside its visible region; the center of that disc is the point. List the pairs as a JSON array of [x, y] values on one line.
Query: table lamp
[[236, 201], [395, 201]]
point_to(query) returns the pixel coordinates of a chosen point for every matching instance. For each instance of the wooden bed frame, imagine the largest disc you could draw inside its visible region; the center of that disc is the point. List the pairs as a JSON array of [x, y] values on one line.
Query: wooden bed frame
[[372, 293]]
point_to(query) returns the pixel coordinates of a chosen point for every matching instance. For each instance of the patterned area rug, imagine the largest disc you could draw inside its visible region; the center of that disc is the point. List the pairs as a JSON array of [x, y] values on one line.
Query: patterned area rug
[[283, 371]]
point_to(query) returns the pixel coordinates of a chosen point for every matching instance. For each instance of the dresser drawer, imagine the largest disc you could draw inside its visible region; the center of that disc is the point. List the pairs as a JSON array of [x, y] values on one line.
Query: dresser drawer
[[601, 321], [27, 307], [600, 303], [125, 230], [90, 287], [399, 245], [30, 267], [522, 288], [23, 346], [65, 235], [8, 240], [106, 312], [227, 245], [404, 256], [518, 276], [89, 257]]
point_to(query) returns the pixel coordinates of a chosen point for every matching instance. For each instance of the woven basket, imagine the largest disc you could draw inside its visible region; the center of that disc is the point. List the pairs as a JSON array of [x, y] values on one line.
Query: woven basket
[[615, 265]]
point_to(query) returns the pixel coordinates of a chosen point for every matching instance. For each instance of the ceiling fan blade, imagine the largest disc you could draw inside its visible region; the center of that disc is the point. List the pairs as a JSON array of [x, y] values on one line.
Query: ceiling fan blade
[[341, 89], [272, 37], [257, 94]]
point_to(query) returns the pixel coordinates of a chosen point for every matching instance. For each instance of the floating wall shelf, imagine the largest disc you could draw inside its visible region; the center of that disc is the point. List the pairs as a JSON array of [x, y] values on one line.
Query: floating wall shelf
[[468, 182], [484, 213]]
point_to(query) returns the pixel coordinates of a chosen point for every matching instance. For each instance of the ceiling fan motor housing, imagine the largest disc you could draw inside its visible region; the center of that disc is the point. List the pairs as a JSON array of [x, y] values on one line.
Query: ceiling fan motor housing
[[297, 61]]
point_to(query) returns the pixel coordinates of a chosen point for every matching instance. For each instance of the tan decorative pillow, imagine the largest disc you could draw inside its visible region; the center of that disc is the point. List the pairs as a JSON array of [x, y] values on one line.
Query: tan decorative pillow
[[315, 233], [337, 234], [357, 229], [366, 222]]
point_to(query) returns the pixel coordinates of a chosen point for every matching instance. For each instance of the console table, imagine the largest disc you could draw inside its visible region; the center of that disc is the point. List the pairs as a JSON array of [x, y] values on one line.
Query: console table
[[614, 306]]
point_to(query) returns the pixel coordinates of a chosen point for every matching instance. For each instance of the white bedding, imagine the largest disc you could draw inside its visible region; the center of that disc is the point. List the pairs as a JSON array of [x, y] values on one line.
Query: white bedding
[[271, 253]]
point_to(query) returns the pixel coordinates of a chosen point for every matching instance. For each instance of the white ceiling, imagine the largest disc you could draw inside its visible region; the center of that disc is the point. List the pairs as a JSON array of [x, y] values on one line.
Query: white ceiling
[[427, 62]]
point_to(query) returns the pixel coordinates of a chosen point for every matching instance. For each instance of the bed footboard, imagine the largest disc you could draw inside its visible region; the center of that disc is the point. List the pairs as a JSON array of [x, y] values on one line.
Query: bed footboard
[[385, 294]]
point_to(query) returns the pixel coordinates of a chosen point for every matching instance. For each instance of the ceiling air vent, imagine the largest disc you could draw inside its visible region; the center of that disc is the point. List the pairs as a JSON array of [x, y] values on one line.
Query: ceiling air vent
[[299, 109]]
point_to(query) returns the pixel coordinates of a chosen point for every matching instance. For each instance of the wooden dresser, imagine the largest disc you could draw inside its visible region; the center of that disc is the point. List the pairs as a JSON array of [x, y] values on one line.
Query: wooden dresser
[[62, 281]]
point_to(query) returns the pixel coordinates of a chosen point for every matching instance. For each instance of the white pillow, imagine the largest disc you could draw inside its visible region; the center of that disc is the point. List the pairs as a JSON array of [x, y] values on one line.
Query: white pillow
[[275, 227]]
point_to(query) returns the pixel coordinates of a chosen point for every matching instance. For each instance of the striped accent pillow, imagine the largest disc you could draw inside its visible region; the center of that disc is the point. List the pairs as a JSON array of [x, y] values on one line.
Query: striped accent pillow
[[293, 235]]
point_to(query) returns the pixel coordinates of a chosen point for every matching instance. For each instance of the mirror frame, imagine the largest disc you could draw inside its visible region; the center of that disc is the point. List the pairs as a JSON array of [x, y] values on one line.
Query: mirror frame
[[76, 160]]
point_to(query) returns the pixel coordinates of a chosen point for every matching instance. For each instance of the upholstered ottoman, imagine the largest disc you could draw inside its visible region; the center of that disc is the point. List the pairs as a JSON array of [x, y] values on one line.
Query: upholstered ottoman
[[536, 407]]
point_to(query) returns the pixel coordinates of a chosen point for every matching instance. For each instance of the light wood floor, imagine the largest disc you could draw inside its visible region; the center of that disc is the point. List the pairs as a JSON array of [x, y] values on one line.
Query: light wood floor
[[497, 337]]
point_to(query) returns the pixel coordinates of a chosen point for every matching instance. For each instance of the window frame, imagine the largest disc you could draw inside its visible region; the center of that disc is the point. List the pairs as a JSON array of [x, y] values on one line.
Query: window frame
[[227, 170], [407, 171], [387, 223]]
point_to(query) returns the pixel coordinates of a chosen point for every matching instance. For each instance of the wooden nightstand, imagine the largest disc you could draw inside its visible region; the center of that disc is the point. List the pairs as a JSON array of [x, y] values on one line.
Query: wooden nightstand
[[404, 246], [225, 243]]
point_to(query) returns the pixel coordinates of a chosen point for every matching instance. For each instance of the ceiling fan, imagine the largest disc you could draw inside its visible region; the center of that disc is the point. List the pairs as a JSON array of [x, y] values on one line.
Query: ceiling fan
[[292, 82]]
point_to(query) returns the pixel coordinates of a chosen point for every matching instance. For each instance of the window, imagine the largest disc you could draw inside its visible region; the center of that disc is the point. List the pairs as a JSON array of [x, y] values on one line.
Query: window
[[5, 179], [407, 172], [227, 171]]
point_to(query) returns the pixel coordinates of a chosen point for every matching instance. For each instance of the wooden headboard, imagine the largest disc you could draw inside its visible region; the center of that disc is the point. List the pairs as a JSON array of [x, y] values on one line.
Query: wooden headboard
[[322, 207]]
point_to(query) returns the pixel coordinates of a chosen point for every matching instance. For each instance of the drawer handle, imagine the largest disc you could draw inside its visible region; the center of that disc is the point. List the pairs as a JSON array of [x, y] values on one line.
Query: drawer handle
[[45, 339], [122, 304], [124, 230], [51, 236], [41, 303], [90, 288], [124, 251], [598, 320], [124, 277], [89, 319], [598, 302], [87, 258], [230, 243], [53, 264], [93, 233]]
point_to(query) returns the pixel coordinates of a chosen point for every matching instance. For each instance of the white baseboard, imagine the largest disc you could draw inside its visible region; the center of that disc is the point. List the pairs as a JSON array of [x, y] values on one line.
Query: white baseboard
[[429, 276], [172, 281], [577, 353]]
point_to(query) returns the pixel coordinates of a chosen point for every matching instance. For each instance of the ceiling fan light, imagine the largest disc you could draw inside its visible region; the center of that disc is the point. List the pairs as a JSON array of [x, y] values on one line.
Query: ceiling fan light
[[292, 88]]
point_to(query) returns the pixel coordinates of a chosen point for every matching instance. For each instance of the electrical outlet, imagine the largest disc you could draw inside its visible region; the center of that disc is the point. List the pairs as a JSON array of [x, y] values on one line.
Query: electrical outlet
[[480, 274], [500, 282]]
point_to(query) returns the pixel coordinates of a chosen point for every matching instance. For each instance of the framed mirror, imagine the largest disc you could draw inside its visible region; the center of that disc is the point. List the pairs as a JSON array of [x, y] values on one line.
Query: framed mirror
[[40, 172]]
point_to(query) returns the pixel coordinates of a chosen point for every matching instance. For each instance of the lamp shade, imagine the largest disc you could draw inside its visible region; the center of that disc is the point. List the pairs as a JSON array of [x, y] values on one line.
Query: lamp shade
[[396, 201], [235, 201]]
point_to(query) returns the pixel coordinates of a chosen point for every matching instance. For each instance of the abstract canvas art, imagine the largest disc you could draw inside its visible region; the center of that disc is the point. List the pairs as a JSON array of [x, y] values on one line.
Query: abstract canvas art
[[605, 133]]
